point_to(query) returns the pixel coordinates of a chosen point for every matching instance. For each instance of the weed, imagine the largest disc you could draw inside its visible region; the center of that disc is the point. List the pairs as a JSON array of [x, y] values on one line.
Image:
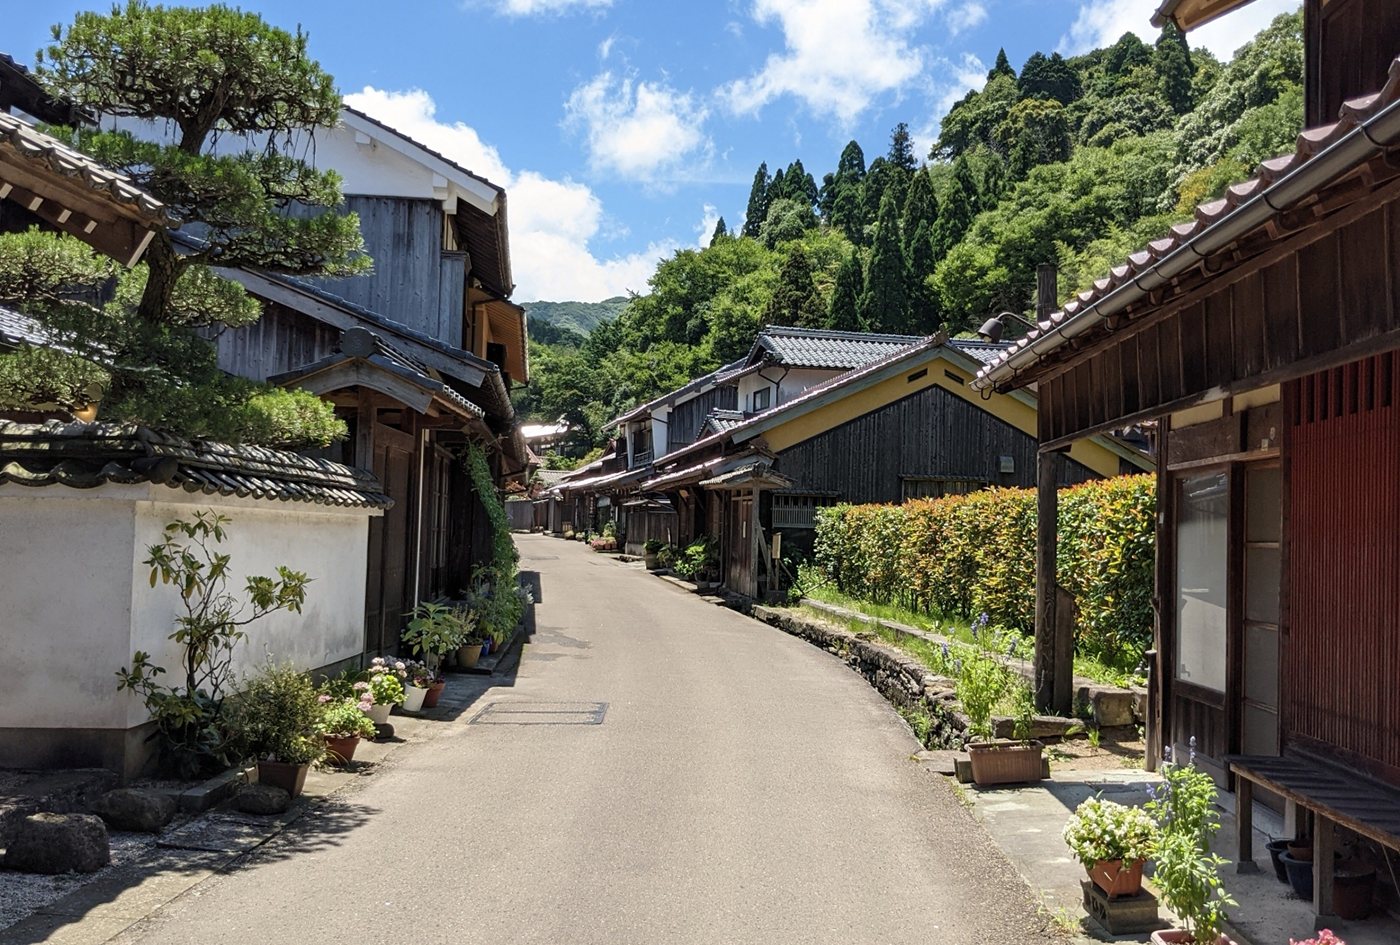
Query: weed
[[1095, 736]]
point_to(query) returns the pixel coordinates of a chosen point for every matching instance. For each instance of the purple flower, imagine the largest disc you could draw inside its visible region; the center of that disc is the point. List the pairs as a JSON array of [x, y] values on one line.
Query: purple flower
[[1011, 647], [945, 652]]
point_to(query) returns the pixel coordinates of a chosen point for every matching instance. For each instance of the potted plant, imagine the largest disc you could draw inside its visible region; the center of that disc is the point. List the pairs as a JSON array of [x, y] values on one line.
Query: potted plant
[[1187, 873], [982, 682], [413, 692], [651, 553], [434, 632], [1112, 841], [344, 723], [277, 720], [385, 688]]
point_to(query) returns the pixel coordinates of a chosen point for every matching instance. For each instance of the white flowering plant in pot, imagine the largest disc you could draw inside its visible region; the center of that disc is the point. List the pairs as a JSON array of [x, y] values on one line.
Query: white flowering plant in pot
[[1112, 841]]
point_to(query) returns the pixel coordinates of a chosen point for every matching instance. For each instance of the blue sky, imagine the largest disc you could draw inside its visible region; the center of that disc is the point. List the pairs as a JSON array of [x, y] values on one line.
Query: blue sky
[[623, 128]]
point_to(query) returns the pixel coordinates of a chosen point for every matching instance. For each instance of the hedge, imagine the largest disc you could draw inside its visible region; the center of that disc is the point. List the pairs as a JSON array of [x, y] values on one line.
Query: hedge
[[974, 554]]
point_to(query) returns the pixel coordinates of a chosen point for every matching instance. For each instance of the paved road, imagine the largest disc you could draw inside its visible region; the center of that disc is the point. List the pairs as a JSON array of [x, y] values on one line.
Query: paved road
[[742, 787]]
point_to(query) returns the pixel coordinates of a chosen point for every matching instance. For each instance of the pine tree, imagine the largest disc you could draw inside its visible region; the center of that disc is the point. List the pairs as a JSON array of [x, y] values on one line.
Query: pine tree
[[920, 206], [1172, 61], [844, 193], [923, 303], [720, 231], [902, 148], [826, 196], [800, 185], [957, 210], [872, 191], [795, 300], [851, 167], [885, 304], [843, 314], [758, 202], [1002, 67], [778, 190], [1051, 77]]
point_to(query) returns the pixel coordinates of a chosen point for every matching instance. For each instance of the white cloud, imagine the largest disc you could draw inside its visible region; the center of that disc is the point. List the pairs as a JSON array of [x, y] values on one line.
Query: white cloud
[[970, 14], [840, 54], [969, 73], [637, 130], [1102, 23], [551, 221], [546, 7], [706, 227]]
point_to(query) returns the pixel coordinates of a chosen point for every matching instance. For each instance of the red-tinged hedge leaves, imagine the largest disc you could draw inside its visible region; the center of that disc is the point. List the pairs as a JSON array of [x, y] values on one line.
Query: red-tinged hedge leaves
[[973, 554]]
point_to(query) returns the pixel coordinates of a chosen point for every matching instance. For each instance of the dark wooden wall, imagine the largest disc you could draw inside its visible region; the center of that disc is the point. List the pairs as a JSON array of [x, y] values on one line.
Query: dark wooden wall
[[414, 282], [1341, 663], [685, 419], [1350, 45], [1325, 300], [282, 340], [929, 433]]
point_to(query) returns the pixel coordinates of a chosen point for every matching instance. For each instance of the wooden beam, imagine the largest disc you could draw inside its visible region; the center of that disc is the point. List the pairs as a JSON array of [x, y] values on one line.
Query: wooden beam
[[121, 239], [1046, 538], [1324, 869], [1244, 826]]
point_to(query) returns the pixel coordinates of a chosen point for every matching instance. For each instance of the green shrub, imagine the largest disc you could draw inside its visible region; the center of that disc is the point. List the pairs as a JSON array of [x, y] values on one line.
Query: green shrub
[[975, 554], [278, 717]]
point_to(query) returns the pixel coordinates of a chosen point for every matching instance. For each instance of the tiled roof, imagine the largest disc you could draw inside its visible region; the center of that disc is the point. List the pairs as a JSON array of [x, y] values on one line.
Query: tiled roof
[[983, 351], [1274, 176], [817, 348], [720, 421], [17, 329], [59, 158], [716, 376], [87, 455]]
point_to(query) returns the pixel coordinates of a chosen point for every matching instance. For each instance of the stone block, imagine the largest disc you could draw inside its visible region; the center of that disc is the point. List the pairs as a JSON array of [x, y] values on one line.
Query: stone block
[[963, 768], [1113, 707], [1123, 916], [263, 799], [135, 809], [59, 843]]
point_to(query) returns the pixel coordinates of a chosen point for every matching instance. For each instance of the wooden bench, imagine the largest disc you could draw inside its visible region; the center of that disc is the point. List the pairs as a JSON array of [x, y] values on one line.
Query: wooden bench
[[1334, 795]]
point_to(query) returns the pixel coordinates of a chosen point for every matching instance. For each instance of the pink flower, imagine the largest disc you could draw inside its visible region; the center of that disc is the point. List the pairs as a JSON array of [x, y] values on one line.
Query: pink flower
[[365, 706], [361, 686], [323, 698]]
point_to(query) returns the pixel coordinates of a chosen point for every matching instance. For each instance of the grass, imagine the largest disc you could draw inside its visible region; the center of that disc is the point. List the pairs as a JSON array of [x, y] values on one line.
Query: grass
[[960, 630]]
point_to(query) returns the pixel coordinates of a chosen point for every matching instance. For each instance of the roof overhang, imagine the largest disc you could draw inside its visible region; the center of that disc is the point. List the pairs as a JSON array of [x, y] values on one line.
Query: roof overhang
[[452, 183], [1189, 14], [507, 321], [418, 392], [75, 194]]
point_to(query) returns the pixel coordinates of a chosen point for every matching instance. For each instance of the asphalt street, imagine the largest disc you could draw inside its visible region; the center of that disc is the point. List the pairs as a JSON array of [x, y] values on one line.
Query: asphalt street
[[657, 769]]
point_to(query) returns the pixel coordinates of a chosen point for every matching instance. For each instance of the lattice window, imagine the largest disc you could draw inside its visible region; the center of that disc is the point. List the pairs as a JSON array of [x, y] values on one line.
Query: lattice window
[[793, 510], [933, 487]]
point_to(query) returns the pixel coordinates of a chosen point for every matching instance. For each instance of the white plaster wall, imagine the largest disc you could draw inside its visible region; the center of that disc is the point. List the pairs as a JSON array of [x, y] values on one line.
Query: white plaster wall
[[76, 602], [787, 385]]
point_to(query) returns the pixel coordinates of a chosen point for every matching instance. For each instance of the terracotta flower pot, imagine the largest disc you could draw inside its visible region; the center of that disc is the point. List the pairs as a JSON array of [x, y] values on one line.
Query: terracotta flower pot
[[1351, 893], [1117, 880], [1179, 936], [290, 778], [413, 698], [340, 749], [1006, 761], [468, 654], [430, 701], [1301, 850]]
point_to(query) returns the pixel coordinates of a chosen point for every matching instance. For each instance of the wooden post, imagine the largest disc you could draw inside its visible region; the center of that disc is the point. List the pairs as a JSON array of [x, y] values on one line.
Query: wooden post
[[1046, 533], [1324, 843], [364, 430], [1244, 826], [1065, 612]]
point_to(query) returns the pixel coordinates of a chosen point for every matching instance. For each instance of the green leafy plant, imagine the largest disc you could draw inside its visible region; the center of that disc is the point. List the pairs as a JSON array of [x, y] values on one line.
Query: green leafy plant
[[697, 558], [278, 717], [1102, 830], [345, 718], [436, 630], [1023, 710], [386, 678], [981, 683], [653, 546], [1187, 873], [188, 725]]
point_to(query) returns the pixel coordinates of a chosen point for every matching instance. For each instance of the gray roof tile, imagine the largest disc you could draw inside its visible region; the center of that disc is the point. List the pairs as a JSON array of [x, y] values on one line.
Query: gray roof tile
[[818, 348]]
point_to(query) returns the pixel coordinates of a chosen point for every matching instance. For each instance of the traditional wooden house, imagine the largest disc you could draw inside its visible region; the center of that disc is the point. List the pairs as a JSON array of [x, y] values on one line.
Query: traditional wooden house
[[419, 357], [1263, 336], [904, 426]]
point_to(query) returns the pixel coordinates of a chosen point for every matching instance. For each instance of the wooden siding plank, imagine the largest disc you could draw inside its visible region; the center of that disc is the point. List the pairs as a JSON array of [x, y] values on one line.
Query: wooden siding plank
[[1193, 348], [1248, 317], [1362, 255], [1217, 312], [1319, 298]]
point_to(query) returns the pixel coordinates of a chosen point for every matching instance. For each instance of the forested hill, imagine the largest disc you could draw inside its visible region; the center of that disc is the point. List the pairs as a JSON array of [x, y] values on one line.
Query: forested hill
[[580, 317], [1075, 161]]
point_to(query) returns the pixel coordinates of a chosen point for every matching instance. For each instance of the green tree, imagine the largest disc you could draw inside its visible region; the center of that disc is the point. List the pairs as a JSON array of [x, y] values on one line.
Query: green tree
[[1172, 62], [787, 220], [1035, 132], [1051, 77], [974, 119], [923, 300], [901, 154], [1002, 67], [843, 313], [957, 209], [799, 185], [207, 71], [920, 206], [884, 305], [758, 202], [721, 230], [796, 300]]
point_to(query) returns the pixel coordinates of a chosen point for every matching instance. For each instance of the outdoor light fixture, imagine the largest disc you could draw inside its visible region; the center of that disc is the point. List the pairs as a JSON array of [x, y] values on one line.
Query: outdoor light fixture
[[993, 327]]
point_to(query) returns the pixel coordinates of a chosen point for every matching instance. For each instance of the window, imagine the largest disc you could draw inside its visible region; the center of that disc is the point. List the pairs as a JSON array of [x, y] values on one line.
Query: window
[[762, 399], [792, 510], [1263, 489], [932, 487], [1202, 555]]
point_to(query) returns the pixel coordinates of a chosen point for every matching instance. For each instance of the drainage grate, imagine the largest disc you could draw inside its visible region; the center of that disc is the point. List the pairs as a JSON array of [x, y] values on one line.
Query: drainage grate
[[541, 713]]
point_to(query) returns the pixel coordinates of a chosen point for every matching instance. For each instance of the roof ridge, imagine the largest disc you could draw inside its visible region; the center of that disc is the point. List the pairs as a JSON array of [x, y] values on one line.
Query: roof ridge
[[421, 146], [835, 333]]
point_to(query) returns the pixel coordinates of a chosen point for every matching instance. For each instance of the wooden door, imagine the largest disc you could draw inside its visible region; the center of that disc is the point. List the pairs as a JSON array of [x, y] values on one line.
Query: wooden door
[[389, 593], [739, 574]]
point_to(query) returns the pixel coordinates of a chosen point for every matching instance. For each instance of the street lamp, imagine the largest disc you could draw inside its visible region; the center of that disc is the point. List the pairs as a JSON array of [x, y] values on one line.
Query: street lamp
[[993, 327]]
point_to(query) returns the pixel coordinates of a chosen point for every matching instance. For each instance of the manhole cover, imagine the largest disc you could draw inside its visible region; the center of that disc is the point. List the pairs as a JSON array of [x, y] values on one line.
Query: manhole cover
[[541, 713]]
